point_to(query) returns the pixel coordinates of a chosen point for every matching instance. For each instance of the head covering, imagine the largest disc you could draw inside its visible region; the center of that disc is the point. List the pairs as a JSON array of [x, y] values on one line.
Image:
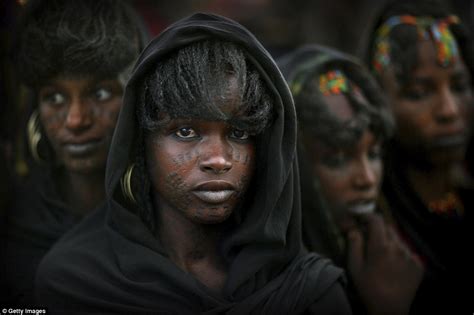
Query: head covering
[[336, 73], [112, 262]]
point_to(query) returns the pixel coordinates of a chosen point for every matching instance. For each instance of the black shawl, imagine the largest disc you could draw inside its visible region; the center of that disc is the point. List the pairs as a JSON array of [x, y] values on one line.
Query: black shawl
[[36, 219], [444, 244], [112, 263]]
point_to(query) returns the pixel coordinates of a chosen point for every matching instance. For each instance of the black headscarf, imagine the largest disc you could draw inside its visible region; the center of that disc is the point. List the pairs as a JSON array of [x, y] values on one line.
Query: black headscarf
[[112, 263]]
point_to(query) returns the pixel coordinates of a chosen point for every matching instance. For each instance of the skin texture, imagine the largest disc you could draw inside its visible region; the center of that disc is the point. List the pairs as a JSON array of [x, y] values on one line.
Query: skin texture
[[79, 117], [384, 271], [79, 111], [432, 113], [181, 157]]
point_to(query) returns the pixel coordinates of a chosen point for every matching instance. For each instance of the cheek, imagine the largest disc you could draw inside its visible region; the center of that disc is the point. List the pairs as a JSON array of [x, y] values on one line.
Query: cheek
[[334, 184], [411, 121], [168, 176], [52, 119], [377, 168], [244, 163], [107, 114]]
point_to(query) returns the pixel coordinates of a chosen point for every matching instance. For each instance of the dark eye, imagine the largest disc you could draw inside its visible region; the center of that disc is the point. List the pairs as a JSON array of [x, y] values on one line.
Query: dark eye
[[102, 94], [186, 133], [415, 94], [460, 87], [54, 99], [239, 134], [375, 152], [335, 160]]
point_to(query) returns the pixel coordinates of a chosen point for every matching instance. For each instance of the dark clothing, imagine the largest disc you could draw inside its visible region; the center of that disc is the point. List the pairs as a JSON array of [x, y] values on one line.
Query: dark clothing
[[443, 243], [112, 262], [36, 220]]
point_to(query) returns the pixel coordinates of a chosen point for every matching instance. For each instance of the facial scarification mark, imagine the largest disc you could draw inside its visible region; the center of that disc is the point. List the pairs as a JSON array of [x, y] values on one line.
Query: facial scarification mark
[[246, 159], [112, 115], [242, 185], [185, 157], [178, 190], [236, 155], [54, 119]]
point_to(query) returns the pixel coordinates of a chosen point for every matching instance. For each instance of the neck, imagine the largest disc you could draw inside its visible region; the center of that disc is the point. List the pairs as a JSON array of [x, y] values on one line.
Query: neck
[[82, 192], [431, 184], [192, 246]]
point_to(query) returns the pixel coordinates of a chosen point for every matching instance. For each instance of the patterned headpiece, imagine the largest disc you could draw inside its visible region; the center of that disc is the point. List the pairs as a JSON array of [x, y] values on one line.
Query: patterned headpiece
[[335, 82], [427, 27]]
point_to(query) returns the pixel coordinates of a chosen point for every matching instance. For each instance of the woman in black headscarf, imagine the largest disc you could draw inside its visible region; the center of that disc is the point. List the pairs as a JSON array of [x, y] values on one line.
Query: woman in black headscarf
[[343, 123], [203, 210], [422, 56], [74, 57]]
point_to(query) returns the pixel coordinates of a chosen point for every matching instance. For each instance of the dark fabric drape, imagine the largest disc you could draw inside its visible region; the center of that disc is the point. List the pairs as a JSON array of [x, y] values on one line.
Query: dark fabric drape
[[36, 219], [112, 263], [443, 243]]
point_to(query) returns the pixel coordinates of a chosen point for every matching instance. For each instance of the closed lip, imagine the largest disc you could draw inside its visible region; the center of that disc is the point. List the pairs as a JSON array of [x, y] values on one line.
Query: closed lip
[[83, 147], [214, 192], [450, 140], [362, 207]]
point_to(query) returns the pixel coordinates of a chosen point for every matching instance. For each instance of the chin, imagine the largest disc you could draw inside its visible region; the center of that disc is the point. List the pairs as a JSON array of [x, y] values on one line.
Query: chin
[[448, 157], [212, 215], [85, 165]]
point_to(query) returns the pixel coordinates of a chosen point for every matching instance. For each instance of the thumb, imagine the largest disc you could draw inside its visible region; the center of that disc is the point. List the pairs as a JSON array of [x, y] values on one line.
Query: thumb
[[355, 243]]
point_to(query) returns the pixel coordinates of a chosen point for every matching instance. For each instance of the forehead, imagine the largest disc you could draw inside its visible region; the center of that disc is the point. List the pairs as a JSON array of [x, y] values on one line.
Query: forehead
[[74, 82], [428, 65], [339, 106]]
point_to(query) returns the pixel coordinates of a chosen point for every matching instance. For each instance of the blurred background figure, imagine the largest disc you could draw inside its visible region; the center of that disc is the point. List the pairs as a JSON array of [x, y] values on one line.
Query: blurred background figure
[[422, 56], [73, 58], [343, 123]]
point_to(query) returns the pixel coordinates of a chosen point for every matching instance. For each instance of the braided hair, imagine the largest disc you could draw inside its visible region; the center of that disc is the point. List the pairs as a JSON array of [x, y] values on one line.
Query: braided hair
[[76, 38], [192, 83]]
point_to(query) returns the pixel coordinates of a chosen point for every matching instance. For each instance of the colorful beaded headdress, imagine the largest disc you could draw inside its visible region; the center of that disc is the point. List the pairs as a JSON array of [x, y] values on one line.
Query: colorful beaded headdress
[[333, 82], [427, 27]]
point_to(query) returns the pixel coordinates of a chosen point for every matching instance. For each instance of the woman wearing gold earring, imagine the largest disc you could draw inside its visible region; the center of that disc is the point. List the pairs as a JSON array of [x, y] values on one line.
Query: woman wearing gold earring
[[76, 70]]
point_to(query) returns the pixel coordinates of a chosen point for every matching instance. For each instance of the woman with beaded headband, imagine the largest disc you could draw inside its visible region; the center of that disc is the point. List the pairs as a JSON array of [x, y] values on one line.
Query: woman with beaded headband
[[203, 210], [74, 57], [343, 122], [422, 57]]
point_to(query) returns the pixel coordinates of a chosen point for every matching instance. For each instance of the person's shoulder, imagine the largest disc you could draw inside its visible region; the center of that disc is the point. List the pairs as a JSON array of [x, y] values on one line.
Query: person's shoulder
[[74, 255], [333, 301]]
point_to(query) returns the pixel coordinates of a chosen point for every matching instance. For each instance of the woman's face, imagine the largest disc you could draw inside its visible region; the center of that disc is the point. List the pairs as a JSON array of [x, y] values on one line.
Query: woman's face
[[79, 117], [201, 168], [349, 177], [432, 109]]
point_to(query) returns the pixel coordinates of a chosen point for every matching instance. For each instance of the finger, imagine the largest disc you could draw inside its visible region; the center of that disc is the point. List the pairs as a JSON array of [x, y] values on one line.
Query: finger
[[376, 232], [355, 243]]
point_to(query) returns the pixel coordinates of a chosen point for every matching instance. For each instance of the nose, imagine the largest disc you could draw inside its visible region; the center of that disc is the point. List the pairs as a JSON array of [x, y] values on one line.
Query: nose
[[216, 157], [78, 116], [448, 108], [365, 175]]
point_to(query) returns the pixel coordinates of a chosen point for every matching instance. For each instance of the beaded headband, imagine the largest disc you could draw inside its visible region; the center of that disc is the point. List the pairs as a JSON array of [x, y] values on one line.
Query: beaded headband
[[333, 82], [427, 27]]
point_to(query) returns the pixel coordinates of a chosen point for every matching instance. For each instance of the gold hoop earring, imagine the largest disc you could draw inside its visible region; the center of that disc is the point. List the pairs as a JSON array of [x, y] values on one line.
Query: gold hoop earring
[[34, 135], [126, 184]]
